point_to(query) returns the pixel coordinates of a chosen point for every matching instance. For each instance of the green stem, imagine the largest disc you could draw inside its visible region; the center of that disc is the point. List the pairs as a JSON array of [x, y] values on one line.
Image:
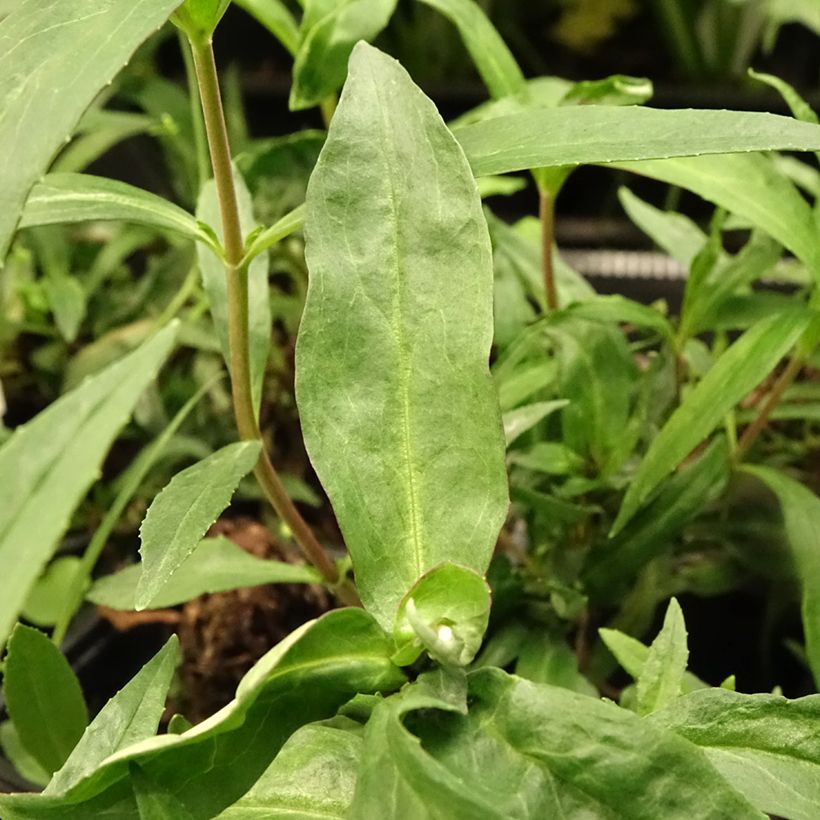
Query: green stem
[[237, 280], [200, 141], [546, 213], [751, 433]]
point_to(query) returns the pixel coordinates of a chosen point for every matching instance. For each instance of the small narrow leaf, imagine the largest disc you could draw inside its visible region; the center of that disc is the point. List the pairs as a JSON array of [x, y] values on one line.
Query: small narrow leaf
[[65, 198], [43, 698], [398, 410], [489, 53], [750, 186], [216, 285], [131, 715], [277, 19], [518, 421], [661, 676], [216, 565], [181, 514], [46, 81], [736, 373], [47, 466], [801, 516]]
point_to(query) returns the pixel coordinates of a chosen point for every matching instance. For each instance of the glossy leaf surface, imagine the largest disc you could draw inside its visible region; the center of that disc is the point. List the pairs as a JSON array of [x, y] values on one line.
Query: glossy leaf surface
[[181, 514], [46, 81], [43, 698], [216, 565], [738, 371], [47, 466], [398, 410]]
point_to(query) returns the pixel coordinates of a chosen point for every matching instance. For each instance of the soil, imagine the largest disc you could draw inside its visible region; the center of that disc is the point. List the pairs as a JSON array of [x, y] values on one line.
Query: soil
[[224, 634]]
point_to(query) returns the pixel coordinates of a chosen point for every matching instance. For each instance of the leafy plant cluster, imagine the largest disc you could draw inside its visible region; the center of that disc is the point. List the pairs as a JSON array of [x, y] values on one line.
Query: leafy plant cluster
[[612, 458]]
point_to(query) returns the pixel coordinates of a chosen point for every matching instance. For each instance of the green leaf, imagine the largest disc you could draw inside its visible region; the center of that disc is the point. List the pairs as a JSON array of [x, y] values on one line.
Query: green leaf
[[216, 565], [305, 678], [619, 89], [181, 514], [133, 714], [398, 411], [576, 135], [313, 776], [199, 18], [597, 377], [446, 612], [275, 16], [20, 757], [532, 751], [750, 186], [518, 421], [661, 676], [651, 533], [66, 198], [321, 62], [47, 466], [672, 232], [736, 373], [545, 658], [767, 747], [66, 298], [618, 309], [801, 517], [154, 802], [492, 58], [47, 597], [284, 227], [46, 81], [216, 286], [43, 698]]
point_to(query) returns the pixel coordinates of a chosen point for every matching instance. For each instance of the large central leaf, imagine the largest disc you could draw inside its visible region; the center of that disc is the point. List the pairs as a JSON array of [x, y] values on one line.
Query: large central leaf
[[398, 410]]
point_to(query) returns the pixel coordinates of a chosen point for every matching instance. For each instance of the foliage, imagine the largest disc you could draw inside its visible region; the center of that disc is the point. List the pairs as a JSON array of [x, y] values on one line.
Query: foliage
[[609, 460]]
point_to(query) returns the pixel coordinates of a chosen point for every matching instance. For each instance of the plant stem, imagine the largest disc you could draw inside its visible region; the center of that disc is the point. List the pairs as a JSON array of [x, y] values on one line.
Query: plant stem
[[237, 279], [200, 142], [751, 433], [546, 214]]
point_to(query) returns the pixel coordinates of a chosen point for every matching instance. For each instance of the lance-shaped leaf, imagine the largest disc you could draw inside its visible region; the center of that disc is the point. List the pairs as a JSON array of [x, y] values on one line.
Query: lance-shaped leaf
[[736, 373], [661, 676], [577, 135], [133, 714], [749, 185], [767, 747], [65, 198], [801, 517], [43, 698], [47, 81], [329, 32], [398, 410], [216, 565], [489, 52], [216, 285], [47, 466], [181, 514], [276, 17]]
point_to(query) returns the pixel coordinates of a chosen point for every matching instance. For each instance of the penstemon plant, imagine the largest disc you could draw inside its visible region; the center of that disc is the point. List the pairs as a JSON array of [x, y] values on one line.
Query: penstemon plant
[[444, 684]]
